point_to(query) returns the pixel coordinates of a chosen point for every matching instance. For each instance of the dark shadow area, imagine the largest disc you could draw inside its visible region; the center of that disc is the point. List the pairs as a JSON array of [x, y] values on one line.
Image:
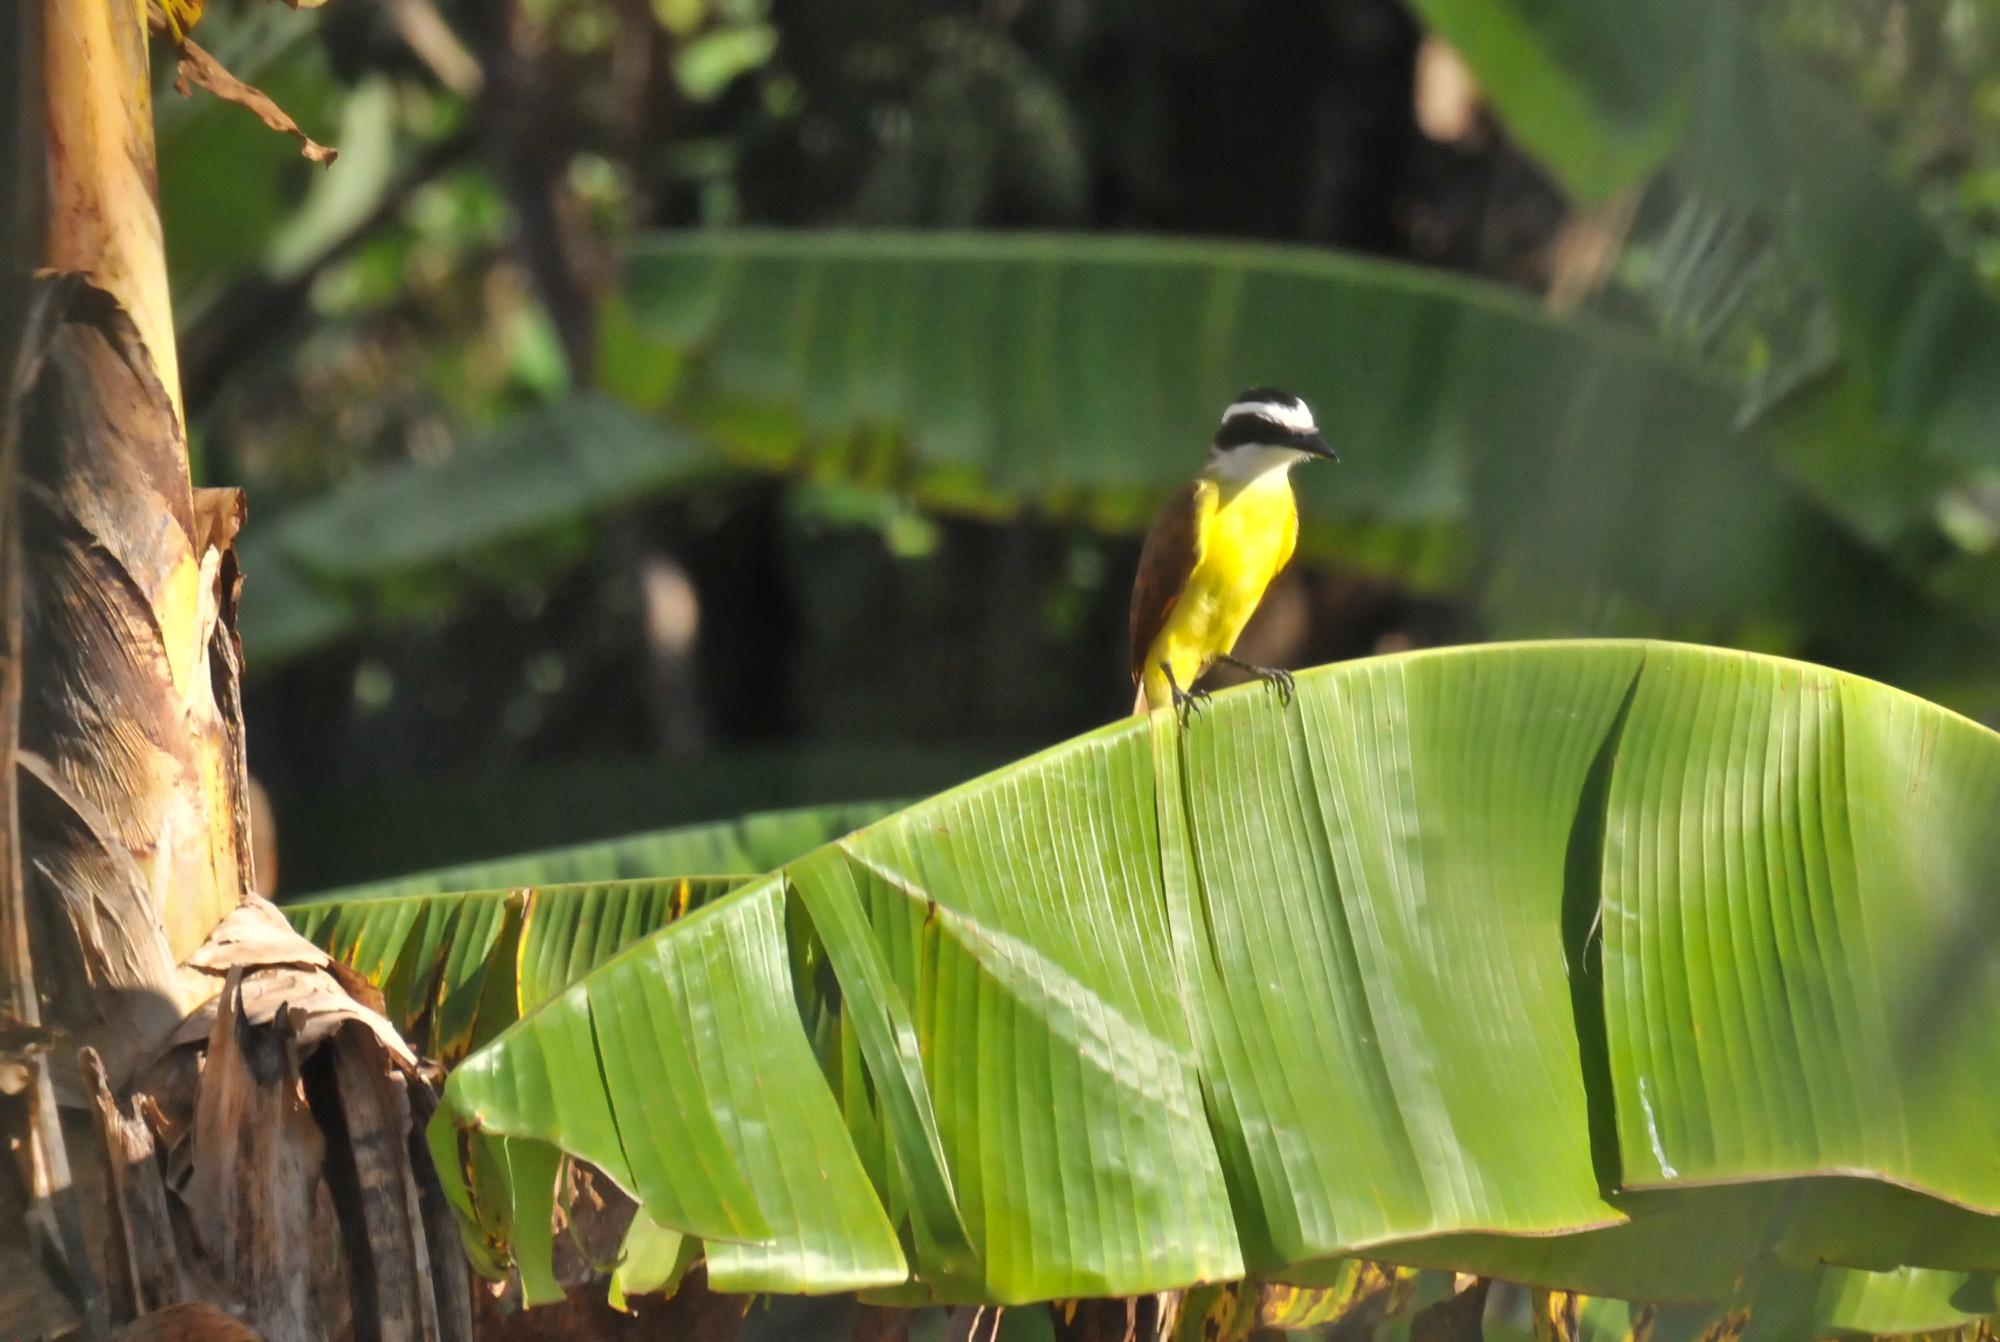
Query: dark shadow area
[[1583, 944]]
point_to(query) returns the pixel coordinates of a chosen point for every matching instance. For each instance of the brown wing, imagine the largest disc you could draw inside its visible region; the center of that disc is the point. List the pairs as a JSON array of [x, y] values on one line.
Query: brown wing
[[1171, 549]]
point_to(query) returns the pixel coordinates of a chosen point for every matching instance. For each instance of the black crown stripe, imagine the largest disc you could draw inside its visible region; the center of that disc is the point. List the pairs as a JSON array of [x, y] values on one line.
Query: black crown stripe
[[1251, 427]]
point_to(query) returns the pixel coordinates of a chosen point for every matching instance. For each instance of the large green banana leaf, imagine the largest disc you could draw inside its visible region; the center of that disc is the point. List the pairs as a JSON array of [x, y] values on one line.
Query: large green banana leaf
[[311, 568], [456, 968], [1908, 1302], [1606, 91], [1570, 464], [458, 953], [1619, 967], [1571, 459]]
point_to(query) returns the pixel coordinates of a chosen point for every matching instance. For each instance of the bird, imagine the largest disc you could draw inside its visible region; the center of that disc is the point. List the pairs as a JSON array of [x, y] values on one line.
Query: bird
[[1216, 546]]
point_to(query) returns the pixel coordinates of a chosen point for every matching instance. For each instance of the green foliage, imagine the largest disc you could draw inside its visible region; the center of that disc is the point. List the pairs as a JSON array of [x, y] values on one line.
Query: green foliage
[[235, 192], [1594, 91], [1725, 913], [1498, 456], [321, 567], [1750, 125], [455, 969], [1601, 958], [1075, 375]]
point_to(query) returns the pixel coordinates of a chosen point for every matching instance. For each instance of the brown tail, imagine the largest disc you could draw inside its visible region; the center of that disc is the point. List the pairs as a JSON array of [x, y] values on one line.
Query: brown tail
[[1139, 705]]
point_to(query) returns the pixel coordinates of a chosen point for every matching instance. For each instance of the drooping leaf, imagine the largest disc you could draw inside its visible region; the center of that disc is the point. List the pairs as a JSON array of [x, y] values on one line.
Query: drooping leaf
[[1567, 460], [1734, 113], [1902, 1303], [651, 1261], [226, 189], [455, 969], [1410, 969], [706, 1104], [571, 461], [202, 70], [1081, 375]]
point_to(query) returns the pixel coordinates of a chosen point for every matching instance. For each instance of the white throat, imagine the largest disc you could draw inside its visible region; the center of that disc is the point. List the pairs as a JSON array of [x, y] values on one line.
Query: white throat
[[1253, 462]]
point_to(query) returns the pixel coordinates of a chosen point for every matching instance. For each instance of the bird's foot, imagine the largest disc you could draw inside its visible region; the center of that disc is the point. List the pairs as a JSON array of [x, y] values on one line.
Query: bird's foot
[[1187, 703], [1276, 677]]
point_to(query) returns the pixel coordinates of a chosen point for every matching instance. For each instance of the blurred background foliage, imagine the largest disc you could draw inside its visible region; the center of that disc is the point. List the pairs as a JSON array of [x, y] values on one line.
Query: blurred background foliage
[[635, 433]]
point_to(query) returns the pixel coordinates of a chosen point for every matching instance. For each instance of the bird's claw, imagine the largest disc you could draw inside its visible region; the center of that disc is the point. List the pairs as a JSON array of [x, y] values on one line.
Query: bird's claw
[[1189, 703], [1186, 702], [1276, 677]]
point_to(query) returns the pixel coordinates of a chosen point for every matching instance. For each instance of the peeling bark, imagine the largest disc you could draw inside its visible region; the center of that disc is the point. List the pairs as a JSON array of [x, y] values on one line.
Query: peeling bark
[[256, 1153], [242, 1154], [37, 1190], [142, 1263], [272, 1160], [133, 817]]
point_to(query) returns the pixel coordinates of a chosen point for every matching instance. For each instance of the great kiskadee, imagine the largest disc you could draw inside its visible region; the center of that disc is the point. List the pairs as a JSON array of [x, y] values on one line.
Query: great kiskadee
[[1216, 546]]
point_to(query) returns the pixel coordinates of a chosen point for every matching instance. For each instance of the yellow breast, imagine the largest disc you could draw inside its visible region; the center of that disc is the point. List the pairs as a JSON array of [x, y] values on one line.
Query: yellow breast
[[1246, 537]]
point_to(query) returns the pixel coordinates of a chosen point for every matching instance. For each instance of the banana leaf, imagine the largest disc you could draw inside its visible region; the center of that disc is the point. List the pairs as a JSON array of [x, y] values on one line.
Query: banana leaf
[[454, 969], [315, 570], [1907, 1302], [1626, 968], [459, 953], [1604, 92], [1571, 462]]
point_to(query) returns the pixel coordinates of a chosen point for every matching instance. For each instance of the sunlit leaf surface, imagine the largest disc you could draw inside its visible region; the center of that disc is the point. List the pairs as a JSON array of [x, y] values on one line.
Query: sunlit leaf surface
[[455, 969], [1578, 964]]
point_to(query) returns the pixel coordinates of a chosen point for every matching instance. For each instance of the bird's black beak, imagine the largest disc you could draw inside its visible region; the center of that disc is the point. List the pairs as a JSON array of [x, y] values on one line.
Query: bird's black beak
[[1314, 445]]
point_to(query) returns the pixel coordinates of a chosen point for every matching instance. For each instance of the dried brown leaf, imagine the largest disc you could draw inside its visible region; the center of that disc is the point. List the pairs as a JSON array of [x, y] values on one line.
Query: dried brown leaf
[[251, 1196], [197, 67], [141, 1257], [254, 935], [282, 972], [219, 515]]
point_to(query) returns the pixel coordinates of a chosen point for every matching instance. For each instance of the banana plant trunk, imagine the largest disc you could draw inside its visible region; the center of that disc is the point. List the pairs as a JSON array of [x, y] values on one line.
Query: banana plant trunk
[[202, 1109]]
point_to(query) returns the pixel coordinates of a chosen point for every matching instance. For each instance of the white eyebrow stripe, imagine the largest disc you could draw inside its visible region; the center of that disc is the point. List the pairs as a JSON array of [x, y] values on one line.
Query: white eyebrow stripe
[[1298, 418]]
